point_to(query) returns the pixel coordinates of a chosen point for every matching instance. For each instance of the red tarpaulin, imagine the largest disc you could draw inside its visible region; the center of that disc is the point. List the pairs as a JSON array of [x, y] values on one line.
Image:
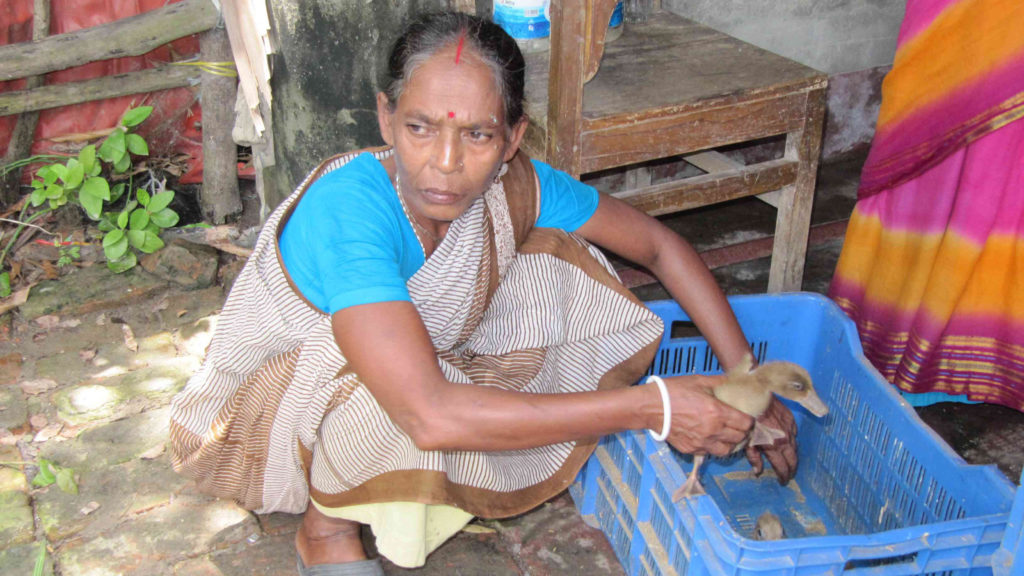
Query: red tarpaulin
[[174, 125]]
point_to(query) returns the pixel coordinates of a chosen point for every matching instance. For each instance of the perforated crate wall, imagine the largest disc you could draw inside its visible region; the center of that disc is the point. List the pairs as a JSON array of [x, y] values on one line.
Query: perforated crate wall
[[877, 492]]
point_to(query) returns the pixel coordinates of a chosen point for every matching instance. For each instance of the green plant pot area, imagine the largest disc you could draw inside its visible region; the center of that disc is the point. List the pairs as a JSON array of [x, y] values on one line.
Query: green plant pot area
[[128, 213]]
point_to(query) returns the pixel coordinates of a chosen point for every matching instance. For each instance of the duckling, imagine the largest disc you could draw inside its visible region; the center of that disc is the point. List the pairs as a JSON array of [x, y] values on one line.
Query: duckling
[[750, 391], [768, 527]]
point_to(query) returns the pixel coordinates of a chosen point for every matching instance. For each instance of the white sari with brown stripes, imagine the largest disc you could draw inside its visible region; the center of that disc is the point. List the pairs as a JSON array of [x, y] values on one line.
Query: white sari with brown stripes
[[274, 416]]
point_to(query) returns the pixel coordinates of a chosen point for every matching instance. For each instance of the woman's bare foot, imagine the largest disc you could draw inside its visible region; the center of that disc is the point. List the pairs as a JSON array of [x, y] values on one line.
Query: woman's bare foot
[[325, 540]]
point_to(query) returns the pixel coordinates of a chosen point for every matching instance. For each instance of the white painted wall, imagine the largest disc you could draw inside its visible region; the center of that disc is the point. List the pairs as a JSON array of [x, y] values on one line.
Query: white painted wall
[[833, 36]]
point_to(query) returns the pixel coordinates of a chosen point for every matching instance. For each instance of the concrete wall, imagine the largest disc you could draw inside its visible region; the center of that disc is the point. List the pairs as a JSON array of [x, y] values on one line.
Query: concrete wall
[[330, 56], [834, 36], [853, 41]]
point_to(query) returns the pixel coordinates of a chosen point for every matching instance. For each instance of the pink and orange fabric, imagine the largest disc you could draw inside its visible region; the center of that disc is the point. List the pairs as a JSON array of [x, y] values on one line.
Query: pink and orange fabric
[[932, 269]]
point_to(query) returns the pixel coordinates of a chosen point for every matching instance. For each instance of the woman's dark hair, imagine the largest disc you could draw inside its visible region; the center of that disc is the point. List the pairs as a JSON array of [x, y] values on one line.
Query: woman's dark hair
[[432, 32]]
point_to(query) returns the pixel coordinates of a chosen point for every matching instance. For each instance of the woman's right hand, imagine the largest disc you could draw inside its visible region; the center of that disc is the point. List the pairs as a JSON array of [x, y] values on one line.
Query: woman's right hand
[[702, 424]]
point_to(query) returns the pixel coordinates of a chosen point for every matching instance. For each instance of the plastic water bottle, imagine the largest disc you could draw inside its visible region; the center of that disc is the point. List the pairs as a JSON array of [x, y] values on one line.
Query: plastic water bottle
[[529, 23], [615, 24]]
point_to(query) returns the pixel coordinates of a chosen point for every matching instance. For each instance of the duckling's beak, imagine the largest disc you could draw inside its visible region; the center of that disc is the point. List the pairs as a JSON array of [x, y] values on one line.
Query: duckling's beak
[[814, 404]]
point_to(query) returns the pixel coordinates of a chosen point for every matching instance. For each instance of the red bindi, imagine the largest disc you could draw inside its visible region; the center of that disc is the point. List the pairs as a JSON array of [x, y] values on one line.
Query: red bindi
[[451, 114]]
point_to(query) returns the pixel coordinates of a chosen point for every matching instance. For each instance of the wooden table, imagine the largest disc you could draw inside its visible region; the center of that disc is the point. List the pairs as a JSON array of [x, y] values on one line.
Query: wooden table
[[671, 88]]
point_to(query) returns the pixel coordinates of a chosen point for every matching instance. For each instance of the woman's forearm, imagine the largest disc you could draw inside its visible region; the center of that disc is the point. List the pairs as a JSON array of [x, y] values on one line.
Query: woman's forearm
[[681, 270], [388, 346], [470, 417], [644, 240]]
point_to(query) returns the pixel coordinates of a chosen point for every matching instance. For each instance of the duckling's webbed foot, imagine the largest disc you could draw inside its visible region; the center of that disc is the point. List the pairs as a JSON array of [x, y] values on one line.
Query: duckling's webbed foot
[[765, 435], [692, 485]]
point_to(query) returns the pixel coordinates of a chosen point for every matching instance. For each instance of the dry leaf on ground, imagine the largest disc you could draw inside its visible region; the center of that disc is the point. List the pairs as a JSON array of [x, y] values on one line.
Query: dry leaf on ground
[[16, 299], [153, 452], [37, 386], [90, 508], [48, 432], [129, 338], [48, 322], [38, 421]]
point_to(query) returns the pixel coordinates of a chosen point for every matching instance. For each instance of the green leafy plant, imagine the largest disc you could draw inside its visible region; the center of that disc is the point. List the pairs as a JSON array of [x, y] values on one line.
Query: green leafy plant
[[40, 565], [27, 161], [67, 252], [138, 227], [135, 226], [50, 473]]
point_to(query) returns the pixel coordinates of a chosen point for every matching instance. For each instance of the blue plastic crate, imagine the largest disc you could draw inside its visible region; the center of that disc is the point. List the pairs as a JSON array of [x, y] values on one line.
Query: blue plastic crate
[[1009, 559], [877, 491]]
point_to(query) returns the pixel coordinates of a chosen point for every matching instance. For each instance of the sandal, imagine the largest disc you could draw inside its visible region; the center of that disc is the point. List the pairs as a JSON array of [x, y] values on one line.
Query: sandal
[[357, 568]]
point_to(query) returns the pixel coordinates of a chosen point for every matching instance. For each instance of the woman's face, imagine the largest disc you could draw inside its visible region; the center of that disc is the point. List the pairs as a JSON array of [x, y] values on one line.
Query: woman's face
[[449, 134]]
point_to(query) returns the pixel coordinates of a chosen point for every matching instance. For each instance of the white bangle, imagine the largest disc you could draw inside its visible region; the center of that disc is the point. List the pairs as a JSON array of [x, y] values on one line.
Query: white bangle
[[666, 422]]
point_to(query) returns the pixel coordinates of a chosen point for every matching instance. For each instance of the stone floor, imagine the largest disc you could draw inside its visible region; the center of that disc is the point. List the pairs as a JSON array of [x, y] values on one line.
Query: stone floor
[[89, 364]]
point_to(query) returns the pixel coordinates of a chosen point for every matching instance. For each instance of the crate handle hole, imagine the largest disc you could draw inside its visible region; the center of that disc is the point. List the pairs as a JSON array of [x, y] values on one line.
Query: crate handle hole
[[684, 329], [873, 565]]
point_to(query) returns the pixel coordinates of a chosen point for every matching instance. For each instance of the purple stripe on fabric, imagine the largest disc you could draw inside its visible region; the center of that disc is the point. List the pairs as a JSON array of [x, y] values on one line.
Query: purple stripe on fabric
[[922, 324], [1007, 330], [945, 123], [1007, 361]]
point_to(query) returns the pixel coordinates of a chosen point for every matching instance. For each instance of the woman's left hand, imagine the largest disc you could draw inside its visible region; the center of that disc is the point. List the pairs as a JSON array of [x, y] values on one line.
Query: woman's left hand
[[782, 452]]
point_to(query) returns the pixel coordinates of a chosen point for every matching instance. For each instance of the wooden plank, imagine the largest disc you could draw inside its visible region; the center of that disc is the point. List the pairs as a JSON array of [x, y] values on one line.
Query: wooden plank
[[132, 36], [668, 197], [794, 210], [712, 161], [599, 15], [219, 197], [673, 62], [24, 134], [568, 24], [55, 95], [638, 177], [671, 134], [739, 252]]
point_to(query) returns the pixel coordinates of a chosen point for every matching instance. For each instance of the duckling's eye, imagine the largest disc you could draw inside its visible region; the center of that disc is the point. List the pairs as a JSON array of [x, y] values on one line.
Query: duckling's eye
[[797, 385]]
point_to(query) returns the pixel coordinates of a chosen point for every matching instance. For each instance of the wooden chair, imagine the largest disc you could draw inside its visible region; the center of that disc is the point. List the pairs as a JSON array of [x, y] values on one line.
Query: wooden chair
[[668, 88]]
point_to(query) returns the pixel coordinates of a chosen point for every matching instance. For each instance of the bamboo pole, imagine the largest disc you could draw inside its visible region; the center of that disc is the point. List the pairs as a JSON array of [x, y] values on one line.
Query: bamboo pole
[[219, 197], [24, 134], [55, 95], [132, 36]]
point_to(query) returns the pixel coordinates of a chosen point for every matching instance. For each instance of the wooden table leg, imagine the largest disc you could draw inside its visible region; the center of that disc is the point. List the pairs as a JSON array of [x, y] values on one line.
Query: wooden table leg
[[793, 221]]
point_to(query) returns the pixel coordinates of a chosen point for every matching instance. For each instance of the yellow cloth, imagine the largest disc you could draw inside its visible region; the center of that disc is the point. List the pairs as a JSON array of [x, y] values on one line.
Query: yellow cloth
[[405, 532]]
